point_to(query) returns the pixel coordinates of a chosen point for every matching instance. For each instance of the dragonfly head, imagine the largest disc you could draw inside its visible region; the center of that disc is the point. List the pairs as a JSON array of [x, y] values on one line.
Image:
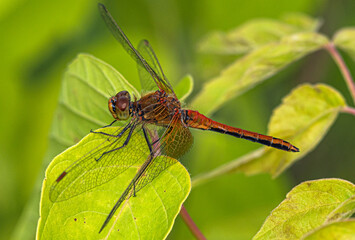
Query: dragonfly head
[[119, 105]]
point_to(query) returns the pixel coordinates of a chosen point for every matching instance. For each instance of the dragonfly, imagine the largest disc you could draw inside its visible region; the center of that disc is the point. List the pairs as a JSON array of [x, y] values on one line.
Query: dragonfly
[[158, 117]]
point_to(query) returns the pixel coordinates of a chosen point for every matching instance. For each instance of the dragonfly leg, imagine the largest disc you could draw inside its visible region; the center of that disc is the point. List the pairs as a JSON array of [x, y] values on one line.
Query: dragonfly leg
[[147, 140], [105, 126], [155, 141], [116, 136], [109, 124], [152, 152], [119, 135]]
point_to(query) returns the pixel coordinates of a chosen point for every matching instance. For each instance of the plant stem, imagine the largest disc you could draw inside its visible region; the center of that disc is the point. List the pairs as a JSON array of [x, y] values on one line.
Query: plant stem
[[349, 110], [230, 167], [343, 68], [190, 224]]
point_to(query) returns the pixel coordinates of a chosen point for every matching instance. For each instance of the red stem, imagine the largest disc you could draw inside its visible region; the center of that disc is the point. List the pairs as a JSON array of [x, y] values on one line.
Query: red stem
[[343, 68], [349, 110], [190, 224]]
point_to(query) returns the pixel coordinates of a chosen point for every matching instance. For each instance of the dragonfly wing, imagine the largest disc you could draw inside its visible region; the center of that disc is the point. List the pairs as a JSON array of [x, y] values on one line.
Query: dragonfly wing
[[149, 55], [175, 142], [89, 172], [127, 45], [147, 85], [157, 165]]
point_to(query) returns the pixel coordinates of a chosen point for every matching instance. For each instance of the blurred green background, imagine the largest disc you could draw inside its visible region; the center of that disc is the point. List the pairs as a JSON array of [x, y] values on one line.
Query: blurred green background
[[39, 38]]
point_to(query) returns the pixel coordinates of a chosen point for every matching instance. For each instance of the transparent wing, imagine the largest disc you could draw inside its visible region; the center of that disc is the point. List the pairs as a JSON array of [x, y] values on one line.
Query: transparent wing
[[88, 172], [127, 45], [149, 55], [175, 142]]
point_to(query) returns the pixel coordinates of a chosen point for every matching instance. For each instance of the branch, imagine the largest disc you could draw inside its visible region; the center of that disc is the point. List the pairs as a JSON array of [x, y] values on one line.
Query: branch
[[343, 68], [190, 224]]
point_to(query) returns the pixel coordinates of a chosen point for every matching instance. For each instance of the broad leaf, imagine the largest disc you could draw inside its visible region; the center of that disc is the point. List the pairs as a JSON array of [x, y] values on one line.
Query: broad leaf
[[256, 33], [345, 39], [303, 118], [307, 207], [254, 68], [343, 230], [153, 210]]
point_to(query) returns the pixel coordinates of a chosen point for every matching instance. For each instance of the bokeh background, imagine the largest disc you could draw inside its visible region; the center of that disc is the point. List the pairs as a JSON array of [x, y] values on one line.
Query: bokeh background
[[39, 38]]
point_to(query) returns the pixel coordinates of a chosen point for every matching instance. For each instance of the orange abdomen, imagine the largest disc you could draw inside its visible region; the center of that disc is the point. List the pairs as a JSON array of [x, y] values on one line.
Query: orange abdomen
[[195, 119]]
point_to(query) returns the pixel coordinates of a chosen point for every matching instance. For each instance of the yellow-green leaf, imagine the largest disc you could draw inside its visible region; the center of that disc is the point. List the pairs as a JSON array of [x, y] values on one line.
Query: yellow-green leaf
[[345, 39], [306, 207], [256, 33], [344, 230], [254, 68], [153, 210], [302, 21]]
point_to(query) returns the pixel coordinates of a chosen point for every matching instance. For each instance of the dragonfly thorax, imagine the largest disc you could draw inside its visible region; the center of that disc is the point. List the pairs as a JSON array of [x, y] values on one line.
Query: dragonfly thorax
[[119, 105]]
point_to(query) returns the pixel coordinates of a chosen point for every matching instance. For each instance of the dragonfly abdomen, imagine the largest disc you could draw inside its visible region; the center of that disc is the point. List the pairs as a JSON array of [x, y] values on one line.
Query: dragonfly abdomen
[[195, 119]]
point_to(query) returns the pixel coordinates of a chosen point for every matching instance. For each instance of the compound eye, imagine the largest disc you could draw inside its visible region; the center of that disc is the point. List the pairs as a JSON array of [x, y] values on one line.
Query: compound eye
[[113, 104], [122, 103]]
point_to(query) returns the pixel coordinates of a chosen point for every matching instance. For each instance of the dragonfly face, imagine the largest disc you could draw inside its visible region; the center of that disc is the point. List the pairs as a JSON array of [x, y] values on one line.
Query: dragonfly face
[[119, 105]]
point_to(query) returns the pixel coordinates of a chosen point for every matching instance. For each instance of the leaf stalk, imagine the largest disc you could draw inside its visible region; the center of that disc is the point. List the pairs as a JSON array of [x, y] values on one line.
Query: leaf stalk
[[349, 110], [191, 224], [330, 47]]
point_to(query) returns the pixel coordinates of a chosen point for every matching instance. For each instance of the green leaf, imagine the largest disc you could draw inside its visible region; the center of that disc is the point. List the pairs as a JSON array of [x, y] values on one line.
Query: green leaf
[[306, 207], [254, 68], [303, 118], [153, 210], [345, 39], [256, 33], [184, 88], [343, 230], [301, 21], [86, 88]]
